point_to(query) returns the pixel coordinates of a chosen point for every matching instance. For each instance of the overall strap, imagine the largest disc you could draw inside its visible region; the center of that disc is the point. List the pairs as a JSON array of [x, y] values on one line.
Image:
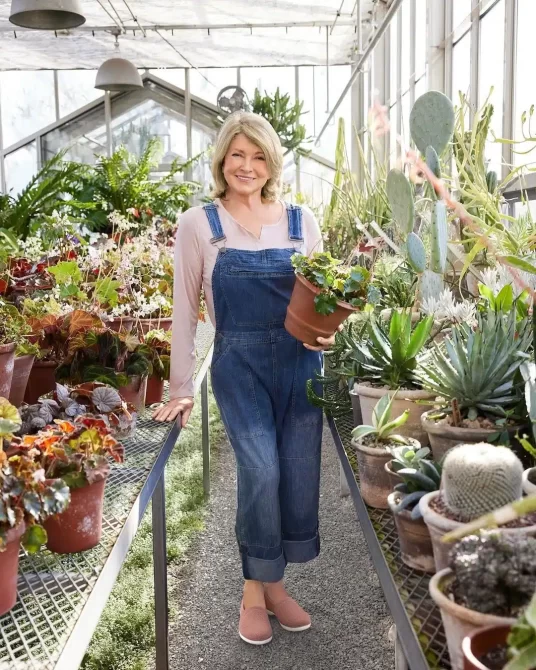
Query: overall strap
[[211, 210], [295, 232]]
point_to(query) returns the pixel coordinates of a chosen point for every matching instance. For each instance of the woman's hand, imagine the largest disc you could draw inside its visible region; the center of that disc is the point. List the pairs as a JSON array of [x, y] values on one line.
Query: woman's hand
[[171, 410], [324, 342]]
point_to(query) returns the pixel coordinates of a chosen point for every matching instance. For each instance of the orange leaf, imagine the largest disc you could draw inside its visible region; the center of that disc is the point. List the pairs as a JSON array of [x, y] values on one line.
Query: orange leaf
[[82, 320]]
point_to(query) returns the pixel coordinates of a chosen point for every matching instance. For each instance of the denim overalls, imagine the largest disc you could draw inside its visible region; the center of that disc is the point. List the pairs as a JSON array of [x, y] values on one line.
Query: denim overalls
[[259, 376]]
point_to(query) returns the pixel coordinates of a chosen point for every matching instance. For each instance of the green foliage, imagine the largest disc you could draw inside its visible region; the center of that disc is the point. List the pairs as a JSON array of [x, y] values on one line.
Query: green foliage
[[400, 196], [336, 403], [419, 476], [156, 347], [10, 420], [383, 427], [522, 640], [106, 291], [431, 122], [398, 286]]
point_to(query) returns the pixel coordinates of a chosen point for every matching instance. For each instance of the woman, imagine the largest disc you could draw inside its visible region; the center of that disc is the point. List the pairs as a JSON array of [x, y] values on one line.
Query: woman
[[238, 249]]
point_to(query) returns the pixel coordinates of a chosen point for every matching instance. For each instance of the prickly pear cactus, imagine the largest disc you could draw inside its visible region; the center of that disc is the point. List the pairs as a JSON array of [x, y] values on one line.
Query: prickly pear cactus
[[430, 286], [416, 253], [432, 160], [400, 197], [431, 122], [439, 237], [479, 478]]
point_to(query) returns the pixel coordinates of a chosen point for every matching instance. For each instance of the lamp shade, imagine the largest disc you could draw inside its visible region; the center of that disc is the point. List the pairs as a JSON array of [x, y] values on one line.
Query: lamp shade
[[118, 74], [47, 14]]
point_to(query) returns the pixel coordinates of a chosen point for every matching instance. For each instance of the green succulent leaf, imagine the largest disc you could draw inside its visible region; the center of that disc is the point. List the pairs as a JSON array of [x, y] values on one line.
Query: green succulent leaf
[[34, 538]]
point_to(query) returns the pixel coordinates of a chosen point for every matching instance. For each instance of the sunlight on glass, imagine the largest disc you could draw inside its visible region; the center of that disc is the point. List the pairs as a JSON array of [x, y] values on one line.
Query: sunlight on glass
[[20, 166], [420, 39], [460, 10], [393, 45], [461, 72], [526, 84], [407, 45]]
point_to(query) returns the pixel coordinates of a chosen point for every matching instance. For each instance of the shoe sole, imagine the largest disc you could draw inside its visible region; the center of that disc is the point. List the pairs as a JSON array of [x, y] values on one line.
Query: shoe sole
[[291, 630], [255, 642]]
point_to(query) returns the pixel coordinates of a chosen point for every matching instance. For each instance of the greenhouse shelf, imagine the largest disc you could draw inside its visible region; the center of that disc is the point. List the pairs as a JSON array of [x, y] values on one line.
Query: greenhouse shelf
[[418, 622], [61, 598]]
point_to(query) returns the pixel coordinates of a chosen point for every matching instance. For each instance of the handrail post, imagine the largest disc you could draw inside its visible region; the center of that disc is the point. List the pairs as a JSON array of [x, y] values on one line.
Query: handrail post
[[205, 435], [160, 575]]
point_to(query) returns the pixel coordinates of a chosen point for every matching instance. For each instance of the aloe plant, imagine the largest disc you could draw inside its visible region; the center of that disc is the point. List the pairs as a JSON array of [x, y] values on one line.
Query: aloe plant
[[383, 427]]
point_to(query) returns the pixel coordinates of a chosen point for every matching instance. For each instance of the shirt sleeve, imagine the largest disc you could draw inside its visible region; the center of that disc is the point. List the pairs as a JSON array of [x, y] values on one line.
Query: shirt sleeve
[[187, 280], [313, 235]]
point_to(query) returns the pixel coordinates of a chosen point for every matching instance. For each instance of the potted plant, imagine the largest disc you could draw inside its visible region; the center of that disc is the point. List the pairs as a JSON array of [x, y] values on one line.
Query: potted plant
[[474, 372], [9, 336], [157, 347], [404, 457], [324, 295], [490, 581], [391, 355], [371, 444], [25, 501], [25, 353], [477, 478], [77, 452], [415, 541]]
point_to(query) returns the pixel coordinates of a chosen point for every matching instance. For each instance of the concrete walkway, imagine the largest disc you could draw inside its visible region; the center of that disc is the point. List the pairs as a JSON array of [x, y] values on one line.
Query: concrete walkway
[[339, 589]]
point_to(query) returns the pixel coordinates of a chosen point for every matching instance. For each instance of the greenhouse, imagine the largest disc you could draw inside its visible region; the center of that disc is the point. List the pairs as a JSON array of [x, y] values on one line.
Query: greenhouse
[[267, 335]]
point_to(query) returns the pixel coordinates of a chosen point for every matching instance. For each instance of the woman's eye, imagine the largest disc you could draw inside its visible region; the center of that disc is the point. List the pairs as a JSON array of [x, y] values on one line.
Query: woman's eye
[[261, 158]]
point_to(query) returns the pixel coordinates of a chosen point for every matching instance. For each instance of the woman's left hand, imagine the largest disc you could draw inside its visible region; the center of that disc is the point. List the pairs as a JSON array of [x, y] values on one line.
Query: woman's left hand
[[325, 343]]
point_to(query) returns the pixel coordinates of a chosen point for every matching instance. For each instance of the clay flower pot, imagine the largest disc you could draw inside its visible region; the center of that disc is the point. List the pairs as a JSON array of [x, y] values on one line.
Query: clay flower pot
[[478, 643], [356, 407], [80, 527], [155, 390], [135, 392], [394, 477], [155, 324], [42, 380], [9, 568], [303, 321], [459, 621], [528, 487], [414, 537], [21, 372], [7, 360], [404, 399], [120, 323]]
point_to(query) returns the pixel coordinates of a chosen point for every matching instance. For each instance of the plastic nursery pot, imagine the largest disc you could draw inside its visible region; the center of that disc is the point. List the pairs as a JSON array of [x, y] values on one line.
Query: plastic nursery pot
[[356, 407], [528, 486], [459, 621], [7, 360], [135, 392], [42, 380], [303, 321], [155, 390], [374, 482], [404, 399], [9, 568], [80, 527], [21, 373], [120, 323], [155, 324], [478, 643], [414, 537]]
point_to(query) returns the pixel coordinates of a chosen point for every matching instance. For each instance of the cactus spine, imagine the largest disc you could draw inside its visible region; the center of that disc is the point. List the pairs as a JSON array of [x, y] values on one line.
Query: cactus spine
[[479, 478]]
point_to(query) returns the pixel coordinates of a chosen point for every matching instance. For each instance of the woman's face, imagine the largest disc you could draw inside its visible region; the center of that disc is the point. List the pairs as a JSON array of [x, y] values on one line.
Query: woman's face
[[244, 167]]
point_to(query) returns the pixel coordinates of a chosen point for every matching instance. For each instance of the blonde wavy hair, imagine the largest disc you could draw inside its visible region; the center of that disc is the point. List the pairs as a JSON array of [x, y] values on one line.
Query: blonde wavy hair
[[261, 133]]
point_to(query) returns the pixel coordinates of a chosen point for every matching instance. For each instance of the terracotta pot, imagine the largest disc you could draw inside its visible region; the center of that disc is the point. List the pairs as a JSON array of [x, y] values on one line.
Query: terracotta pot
[[369, 396], [9, 568], [155, 390], [356, 407], [7, 361], [439, 525], [80, 527], [415, 542], [135, 392], [21, 372], [374, 482], [303, 321], [394, 478], [528, 487], [479, 642], [458, 621], [120, 323], [42, 380], [155, 324]]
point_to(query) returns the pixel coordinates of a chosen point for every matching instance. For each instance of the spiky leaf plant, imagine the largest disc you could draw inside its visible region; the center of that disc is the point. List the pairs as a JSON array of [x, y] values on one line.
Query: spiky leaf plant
[[382, 430]]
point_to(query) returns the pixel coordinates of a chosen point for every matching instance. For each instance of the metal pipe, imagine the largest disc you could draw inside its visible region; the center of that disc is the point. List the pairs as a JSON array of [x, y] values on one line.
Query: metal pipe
[[370, 47], [327, 70], [336, 17], [108, 122], [188, 114], [205, 436], [359, 26], [135, 18], [296, 156], [56, 95]]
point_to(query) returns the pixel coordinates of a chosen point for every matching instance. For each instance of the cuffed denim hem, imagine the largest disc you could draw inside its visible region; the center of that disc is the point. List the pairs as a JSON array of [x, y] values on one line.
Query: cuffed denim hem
[[261, 569], [301, 551]]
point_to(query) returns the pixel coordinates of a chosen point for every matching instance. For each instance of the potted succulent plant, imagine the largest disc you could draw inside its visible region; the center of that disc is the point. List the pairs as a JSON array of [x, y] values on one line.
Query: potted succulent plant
[[477, 479], [404, 457], [325, 294], [157, 348], [371, 444], [490, 581], [77, 452]]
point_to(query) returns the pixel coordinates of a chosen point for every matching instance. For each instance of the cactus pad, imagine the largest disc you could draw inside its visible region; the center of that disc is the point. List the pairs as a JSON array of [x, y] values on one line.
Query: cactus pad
[[479, 478], [431, 285], [431, 121], [439, 234], [432, 160], [416, 253], [401, 200]]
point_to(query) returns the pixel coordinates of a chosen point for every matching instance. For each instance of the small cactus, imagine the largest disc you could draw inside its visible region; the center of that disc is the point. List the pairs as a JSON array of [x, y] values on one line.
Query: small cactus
[[478, 478], [491, 181], [400, 197], [438, 258], [416, 253], [431, 122]]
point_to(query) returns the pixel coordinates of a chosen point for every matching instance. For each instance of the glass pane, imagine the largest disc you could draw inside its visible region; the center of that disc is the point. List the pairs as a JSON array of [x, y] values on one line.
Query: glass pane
[[316, 181], [461, 72], [407, 45], [85, 136], [75, 89], [405, 119], [174, 76], [207, 83], [491, 64], [460, 10], [420, 38], [393, 45], [394, 149], [27, 103], [268, 79], [525, 89], [338, 78], [420, 87], [21, 165]]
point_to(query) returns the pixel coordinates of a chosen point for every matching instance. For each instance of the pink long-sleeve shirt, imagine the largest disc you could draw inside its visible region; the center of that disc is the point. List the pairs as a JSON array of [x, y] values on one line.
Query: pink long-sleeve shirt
[[195, 257]]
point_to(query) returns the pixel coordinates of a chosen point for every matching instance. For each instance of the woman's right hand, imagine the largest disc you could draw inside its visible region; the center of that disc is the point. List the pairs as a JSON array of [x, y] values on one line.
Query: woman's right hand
[[171, 410]]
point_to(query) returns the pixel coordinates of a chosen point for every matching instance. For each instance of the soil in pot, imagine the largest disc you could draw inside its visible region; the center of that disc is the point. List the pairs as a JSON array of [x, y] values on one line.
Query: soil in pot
[[7, 361], [21, 373], [42, 380], [155, 390], [486, 648], [155, 324], [414, 537], [303, 321], [9, 568], [80, 527], [135, 392]]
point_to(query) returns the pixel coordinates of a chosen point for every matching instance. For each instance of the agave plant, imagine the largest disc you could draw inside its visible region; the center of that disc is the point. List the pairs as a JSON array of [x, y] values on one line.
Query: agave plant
[[382, 430]]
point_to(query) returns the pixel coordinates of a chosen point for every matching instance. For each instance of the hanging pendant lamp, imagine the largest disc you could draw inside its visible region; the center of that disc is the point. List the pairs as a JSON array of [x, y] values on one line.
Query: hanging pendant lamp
[[118, 74], [47, 14]]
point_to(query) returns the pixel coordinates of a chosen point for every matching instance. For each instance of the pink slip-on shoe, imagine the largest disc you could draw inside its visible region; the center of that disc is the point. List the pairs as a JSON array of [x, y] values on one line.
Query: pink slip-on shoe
[[290, 615], [254, 626]]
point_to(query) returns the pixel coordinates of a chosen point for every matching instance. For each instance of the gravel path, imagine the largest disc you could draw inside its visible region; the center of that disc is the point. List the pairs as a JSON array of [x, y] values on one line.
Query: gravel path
[[339, 589]]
